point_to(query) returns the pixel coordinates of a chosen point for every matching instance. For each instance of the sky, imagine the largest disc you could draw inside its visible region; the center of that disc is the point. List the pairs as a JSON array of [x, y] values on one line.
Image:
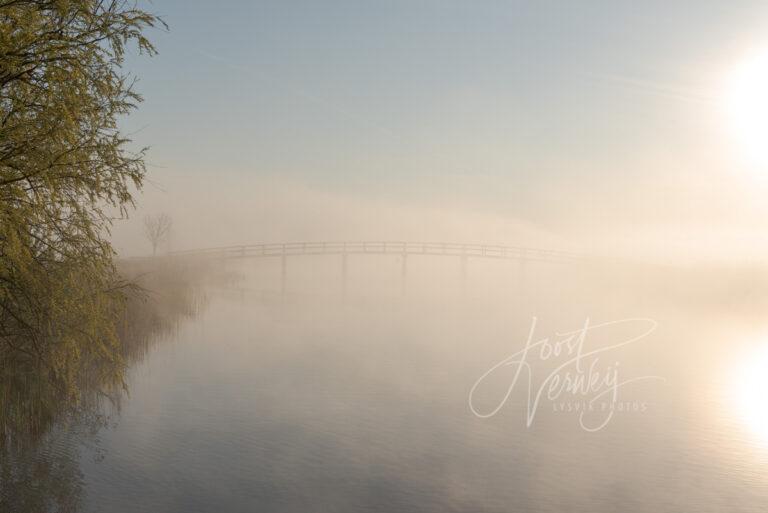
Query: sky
[[595, 126]]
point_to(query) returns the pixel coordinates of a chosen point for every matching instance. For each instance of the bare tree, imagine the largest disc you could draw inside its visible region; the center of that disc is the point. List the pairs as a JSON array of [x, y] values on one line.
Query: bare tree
[[157, 230]]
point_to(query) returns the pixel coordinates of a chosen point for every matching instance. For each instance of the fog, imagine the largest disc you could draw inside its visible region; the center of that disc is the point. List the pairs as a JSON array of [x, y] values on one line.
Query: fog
[[660, 220], [356, 396], [361, 381]]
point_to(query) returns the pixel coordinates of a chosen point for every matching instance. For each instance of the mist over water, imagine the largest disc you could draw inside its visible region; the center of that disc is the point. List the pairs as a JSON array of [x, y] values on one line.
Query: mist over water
[[358, 400]]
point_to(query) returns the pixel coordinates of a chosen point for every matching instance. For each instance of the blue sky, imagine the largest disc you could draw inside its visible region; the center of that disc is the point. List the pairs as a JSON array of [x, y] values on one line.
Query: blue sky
[[485, 105]]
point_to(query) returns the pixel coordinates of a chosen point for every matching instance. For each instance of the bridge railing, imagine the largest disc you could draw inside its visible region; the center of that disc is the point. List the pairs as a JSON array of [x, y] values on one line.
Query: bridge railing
[[382, 247]]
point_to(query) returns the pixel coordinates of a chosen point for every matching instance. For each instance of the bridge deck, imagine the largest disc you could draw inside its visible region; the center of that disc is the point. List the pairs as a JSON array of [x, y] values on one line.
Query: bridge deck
[[382, 248]]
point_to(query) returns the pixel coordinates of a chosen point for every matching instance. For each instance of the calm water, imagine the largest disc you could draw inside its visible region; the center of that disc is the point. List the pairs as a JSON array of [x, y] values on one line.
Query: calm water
[[313, 402]]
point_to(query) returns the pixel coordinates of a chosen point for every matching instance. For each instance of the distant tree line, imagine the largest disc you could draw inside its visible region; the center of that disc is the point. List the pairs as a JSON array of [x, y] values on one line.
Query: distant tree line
[[66, 172]]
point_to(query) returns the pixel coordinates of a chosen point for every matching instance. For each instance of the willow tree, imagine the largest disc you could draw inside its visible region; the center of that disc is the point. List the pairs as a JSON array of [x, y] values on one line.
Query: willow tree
[[65, 173]]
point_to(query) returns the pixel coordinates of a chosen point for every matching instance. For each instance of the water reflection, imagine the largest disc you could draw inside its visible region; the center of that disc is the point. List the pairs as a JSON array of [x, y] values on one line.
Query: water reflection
[[44, 428], [749, 390], [321, 400]]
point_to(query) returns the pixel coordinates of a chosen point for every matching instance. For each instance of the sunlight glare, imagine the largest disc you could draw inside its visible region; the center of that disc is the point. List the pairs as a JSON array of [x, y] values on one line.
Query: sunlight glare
[[747, 103], [751, 390]]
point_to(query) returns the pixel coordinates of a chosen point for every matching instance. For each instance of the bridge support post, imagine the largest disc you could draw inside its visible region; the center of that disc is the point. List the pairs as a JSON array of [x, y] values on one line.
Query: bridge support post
[[403, 274], [283, 272]]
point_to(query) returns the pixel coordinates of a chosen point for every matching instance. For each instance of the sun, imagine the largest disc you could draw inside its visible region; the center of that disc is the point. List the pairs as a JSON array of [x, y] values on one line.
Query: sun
[[747, 104], [750, 392]]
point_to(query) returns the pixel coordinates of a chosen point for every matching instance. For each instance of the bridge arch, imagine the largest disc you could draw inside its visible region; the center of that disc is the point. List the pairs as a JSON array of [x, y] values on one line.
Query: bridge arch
[[284, 250]]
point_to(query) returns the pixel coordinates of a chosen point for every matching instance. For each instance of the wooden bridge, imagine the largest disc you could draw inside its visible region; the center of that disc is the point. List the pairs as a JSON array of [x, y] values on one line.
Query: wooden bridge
[[396, 248]]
